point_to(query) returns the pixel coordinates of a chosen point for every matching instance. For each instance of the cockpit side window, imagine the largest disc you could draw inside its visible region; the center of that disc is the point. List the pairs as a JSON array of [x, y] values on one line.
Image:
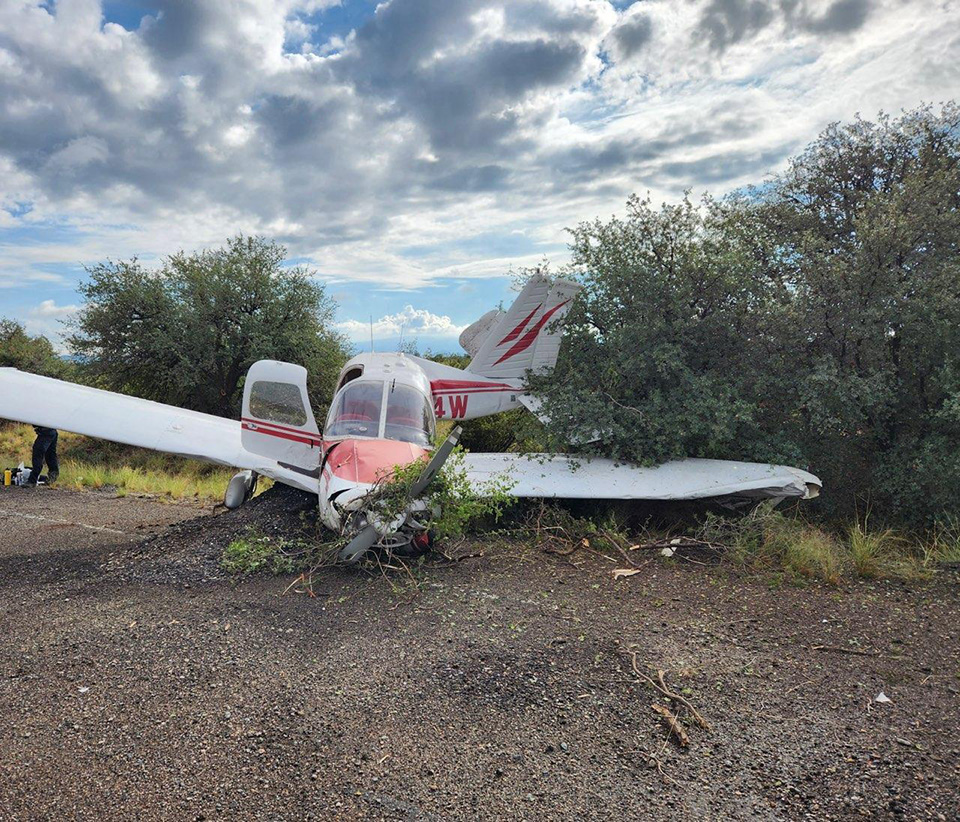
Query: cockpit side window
[[277, 402], [356, 410], [350, 376]]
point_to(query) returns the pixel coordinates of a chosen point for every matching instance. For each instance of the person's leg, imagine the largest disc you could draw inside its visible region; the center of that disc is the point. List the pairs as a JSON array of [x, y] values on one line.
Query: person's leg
[[40, 445], [52, 462]]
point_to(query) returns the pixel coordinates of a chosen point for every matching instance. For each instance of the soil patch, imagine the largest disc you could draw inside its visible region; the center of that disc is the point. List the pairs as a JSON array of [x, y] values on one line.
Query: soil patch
[[135, 681]]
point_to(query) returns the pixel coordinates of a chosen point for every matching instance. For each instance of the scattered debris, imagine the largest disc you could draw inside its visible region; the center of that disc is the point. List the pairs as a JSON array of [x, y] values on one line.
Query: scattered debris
[[671, 721], [689, 549], [660, 685], [624, 572], [882, 697]]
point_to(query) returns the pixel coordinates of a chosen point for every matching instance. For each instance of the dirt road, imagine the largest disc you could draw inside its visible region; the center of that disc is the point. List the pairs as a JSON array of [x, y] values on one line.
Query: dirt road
[[137, 682]]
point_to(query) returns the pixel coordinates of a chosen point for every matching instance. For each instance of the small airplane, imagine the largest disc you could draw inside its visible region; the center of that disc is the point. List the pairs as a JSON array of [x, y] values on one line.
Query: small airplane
[[383, 415]]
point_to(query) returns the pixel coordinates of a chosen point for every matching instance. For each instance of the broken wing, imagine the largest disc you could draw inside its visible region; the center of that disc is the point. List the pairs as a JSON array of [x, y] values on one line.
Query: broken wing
[[66, 406], [573, 477]]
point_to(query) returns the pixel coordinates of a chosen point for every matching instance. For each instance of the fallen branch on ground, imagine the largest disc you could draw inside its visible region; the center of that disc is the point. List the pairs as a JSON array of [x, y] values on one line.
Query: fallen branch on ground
[[655, 761], [679, 543], [661, 686], [452, 560], [673, 724]]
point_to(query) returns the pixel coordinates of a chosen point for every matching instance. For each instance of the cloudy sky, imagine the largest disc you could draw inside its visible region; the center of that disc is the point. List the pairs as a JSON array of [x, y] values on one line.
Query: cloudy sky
[[412, 151]]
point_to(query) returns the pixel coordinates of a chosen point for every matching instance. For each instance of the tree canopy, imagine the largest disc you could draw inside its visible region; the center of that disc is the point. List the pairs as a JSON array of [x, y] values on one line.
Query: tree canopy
[[186, 333], [18, 349], [814, 320]]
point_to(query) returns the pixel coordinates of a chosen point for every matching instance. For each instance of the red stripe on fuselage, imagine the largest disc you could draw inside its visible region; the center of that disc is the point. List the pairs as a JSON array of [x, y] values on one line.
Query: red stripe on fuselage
[[463, 385], [450, 391], [277, 426], [306, 439]]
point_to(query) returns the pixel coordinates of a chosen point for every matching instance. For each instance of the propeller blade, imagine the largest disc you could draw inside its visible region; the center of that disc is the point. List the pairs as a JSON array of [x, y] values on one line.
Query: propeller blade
[[436, 463], [365, 539], [368, 536]]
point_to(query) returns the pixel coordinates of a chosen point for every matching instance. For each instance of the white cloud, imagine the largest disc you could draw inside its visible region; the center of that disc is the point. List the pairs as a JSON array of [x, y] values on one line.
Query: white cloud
[[401, 153], [49, 309], [410, 322], [47, 319], [79, 152]]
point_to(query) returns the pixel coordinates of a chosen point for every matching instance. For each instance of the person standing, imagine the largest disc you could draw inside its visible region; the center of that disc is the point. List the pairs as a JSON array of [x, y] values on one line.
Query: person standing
[[44, 450]]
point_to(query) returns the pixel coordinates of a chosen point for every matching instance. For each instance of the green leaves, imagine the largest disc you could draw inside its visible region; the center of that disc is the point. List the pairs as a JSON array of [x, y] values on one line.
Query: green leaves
[[34, 354], [813, 321], [660, 335], [451, 504], [186, 334]]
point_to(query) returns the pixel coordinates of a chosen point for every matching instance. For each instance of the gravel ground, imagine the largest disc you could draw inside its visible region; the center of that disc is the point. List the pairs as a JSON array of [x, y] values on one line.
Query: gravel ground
[[137, 682]]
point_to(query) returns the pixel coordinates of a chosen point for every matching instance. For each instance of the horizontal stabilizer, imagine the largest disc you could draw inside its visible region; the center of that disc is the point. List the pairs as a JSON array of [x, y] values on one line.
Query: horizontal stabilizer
[[535, 406], [474, 336]]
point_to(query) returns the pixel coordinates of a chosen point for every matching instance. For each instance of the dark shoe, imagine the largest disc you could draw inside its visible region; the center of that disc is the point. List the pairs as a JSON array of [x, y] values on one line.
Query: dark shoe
[[52, 478]]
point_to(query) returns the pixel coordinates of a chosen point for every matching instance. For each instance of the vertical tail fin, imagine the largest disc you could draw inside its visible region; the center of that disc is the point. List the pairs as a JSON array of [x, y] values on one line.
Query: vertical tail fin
[[527, 337]]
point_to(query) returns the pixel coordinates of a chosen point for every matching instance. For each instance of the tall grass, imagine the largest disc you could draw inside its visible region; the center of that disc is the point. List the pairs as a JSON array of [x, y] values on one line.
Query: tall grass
[[943, 546], [790, 547], [87, 463], [772, 542]]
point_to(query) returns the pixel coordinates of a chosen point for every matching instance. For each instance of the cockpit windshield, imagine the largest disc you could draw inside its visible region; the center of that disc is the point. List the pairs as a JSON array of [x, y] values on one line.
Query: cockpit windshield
[[409, 415], [356, 410], [359, 411]]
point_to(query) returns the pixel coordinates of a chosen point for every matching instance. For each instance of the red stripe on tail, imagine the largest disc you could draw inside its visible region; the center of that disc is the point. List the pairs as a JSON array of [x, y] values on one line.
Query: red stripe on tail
[[527, 339], [516, 331]]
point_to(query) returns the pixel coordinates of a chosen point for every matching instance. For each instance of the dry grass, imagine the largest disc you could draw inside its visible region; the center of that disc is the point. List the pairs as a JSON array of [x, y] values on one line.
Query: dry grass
[[797, 550], [880, 554], [771, 542], [943, 546], [87, 463]]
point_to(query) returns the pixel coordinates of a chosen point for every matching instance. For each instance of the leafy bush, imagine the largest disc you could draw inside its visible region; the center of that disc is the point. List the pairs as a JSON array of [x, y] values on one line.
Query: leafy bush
[[814, 321], [255, 552], [34, 354], [450, 503]]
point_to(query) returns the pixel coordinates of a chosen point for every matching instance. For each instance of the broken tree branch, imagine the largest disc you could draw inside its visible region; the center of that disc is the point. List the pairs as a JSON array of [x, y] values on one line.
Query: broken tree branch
[[661, 686], [673, 724], [655, 761]]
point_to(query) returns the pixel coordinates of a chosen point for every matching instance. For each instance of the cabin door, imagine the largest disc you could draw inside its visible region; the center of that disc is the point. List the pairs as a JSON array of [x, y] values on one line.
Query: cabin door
[[277, 420]]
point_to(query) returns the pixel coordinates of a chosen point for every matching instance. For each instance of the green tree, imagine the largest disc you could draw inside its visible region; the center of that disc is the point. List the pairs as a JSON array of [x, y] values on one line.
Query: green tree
[[186, 334], [868, 224], [814, 320], [661, 343], [34, 354]]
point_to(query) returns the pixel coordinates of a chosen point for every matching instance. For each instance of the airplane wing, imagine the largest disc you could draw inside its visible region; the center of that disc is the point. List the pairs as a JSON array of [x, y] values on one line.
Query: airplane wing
[[565, 476], [67, 406]]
